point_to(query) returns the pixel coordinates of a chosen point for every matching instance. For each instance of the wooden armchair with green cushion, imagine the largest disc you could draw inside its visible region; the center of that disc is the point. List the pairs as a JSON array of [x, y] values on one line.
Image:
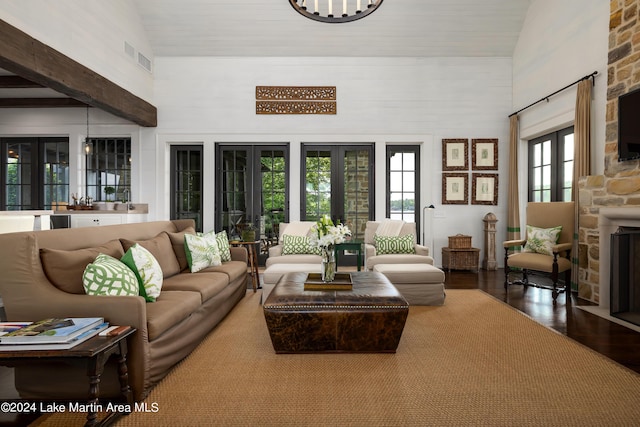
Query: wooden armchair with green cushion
[[546, 246]]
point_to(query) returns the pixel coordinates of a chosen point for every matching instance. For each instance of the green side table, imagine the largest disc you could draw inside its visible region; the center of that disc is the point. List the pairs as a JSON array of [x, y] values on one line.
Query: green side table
[[351, 245]]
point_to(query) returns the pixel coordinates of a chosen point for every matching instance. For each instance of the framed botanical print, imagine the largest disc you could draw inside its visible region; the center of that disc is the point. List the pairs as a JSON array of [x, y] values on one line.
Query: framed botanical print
[[484, 189], [484, 154], [455, 189], [455, 154]]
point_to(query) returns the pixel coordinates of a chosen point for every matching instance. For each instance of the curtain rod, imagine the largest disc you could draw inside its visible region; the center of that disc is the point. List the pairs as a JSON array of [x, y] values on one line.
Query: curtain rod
[[546, 98]]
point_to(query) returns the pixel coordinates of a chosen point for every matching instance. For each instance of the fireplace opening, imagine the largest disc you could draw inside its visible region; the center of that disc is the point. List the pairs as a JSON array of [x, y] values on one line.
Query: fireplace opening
[[625, 274]]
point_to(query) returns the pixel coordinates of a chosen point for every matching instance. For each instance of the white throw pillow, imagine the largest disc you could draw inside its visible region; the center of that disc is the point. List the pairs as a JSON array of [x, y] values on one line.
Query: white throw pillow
[[296, 228], [202, 251], [147, 270], [542, 240]]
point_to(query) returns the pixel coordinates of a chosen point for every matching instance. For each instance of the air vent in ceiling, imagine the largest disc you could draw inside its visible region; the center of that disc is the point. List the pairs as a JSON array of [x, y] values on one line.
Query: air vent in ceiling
[[144, 62]]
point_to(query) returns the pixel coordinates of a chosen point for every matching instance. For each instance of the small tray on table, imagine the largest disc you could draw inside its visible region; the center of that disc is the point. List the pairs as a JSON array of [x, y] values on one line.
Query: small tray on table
[[341, 282]]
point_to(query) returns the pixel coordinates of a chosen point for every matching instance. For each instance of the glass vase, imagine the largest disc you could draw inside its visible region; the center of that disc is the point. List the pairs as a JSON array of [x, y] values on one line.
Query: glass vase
[[328, 268]]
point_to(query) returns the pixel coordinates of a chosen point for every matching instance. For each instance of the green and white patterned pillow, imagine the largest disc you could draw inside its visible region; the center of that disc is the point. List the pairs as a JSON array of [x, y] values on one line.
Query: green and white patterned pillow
[[295, 245], [394, 244], [147, 270], [542, 240], [202, 251], [223, 245], [108, 276]]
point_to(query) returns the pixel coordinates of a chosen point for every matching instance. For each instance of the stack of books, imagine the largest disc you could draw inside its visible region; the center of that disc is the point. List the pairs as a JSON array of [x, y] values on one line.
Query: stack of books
[[49, 334]]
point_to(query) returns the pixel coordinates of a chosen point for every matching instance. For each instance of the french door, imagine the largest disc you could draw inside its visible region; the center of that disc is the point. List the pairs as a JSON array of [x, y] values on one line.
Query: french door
[[252, 191], [186, 179], [338, 181]]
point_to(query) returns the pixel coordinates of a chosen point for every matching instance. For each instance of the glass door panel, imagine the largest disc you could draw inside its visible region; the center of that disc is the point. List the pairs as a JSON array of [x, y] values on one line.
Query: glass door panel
[[357, 180], [186, 169], [253, 192], [234, 192], [317, 185], [55, 170], [338, 182], [273, 178]]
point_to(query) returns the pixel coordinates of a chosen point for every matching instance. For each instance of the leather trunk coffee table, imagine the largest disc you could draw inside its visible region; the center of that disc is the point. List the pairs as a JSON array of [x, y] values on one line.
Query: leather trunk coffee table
[[368, 318]]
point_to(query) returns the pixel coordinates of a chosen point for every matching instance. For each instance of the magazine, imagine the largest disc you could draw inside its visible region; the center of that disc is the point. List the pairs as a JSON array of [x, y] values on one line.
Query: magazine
[[6, 327], [55, 330], [56, 346]]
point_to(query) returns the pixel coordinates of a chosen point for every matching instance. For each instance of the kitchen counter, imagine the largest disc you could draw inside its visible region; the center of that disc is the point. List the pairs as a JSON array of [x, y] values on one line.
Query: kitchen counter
[[139, 208]]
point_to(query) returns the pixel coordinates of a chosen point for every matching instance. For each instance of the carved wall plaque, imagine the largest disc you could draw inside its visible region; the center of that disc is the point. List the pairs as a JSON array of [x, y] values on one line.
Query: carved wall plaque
[[296, 100]]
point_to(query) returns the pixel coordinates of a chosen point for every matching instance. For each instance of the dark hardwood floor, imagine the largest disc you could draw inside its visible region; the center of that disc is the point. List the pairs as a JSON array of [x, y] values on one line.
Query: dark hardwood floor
[[610, 339]]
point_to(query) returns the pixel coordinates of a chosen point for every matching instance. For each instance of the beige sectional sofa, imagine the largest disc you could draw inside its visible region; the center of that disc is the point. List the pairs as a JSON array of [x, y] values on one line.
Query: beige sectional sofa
[[42, 277]]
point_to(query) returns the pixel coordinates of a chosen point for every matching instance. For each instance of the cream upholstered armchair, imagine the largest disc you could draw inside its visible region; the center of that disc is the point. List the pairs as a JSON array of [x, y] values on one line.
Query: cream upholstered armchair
[[374, 256], [278, 254], [546, 246]]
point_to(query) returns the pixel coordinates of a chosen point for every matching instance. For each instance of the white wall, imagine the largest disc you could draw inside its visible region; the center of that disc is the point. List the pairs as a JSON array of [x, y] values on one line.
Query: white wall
[[380, 100], [91, 32], [560, 42]]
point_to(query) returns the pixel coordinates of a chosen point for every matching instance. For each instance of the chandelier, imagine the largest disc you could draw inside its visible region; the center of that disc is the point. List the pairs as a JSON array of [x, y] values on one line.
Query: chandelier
[[335, 11]]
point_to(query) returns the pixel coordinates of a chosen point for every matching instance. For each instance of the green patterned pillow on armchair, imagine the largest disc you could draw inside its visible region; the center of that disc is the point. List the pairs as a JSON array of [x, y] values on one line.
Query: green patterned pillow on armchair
[[294, 245], [394, 244]]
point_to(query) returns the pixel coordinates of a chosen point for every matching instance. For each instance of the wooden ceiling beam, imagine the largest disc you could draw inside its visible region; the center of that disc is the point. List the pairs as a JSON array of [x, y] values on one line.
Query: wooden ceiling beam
[[40, 103], [17, 82], [31, 59]]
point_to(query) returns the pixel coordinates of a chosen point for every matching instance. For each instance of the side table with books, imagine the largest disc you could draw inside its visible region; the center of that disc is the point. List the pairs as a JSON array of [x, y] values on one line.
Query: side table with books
[[96, 350]]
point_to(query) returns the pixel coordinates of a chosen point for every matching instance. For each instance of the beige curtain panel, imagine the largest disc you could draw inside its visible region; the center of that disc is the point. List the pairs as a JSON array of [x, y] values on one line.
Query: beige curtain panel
[[513, 205], [581, 161]]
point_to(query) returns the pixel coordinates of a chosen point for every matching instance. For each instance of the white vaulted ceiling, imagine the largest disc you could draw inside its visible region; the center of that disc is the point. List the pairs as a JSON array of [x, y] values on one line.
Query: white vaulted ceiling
[[272, 28], [409, 28]]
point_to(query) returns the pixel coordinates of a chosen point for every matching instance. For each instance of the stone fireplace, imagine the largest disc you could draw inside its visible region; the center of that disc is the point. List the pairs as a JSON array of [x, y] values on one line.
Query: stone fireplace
[[612, 199], [610, 219]]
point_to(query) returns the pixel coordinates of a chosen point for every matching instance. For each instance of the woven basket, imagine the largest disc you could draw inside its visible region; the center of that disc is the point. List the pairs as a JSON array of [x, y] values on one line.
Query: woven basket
[[459, 241]]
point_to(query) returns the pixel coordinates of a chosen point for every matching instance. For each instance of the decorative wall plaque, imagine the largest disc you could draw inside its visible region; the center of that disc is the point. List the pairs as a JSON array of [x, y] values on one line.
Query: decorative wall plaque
[[296, 100]]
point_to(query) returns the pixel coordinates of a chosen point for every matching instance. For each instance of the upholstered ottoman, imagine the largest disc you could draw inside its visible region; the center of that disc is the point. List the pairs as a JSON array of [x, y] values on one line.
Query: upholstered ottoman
[[370, 317], [274, 272], [420, 284]]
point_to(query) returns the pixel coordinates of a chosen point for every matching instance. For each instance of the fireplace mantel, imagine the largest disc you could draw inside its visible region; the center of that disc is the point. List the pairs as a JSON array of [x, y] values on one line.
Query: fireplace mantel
[[610, 219]]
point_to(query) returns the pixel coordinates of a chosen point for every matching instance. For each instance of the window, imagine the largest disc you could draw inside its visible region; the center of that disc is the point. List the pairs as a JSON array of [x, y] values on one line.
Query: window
[[551, 167], [403, 180], [35, 173], [109, 165]]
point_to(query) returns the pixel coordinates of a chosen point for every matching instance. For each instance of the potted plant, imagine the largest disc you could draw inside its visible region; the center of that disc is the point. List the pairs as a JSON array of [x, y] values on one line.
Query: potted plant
[[248, 232], [109, 191]]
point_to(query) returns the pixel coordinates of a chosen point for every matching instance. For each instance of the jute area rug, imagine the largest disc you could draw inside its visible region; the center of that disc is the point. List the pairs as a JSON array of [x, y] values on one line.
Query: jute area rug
[[473, 362]]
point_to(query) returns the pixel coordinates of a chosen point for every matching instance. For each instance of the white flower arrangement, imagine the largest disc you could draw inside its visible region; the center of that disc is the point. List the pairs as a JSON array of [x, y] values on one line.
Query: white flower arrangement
[[326, 234]]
